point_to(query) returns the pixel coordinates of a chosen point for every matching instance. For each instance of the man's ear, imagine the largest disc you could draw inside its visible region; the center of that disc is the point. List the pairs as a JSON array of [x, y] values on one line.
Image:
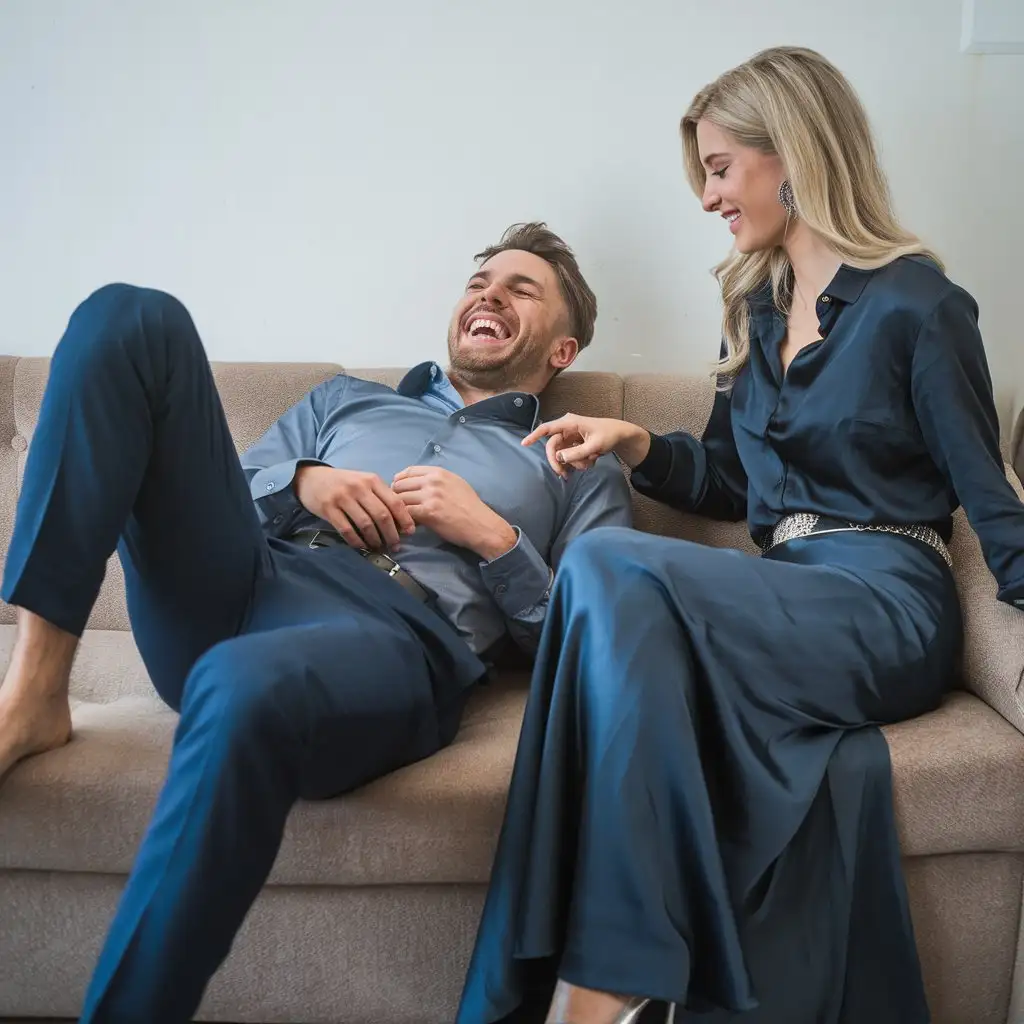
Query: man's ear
[[564, 353]]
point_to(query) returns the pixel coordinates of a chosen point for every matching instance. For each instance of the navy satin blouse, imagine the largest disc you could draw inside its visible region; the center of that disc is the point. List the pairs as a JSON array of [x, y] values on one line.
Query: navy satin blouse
[[889, 419]]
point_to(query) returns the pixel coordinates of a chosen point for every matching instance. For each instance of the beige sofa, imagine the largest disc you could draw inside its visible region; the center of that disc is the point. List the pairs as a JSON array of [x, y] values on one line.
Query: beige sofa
[[370, 912], [1017, 445]]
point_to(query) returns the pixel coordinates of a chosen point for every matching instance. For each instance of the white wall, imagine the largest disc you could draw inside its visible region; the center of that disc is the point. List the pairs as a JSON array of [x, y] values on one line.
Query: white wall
[[312, 177]]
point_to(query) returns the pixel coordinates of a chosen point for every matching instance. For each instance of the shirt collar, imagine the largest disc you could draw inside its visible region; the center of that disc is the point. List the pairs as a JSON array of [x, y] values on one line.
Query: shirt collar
[[418, 380], [846, 286], [517, 407]]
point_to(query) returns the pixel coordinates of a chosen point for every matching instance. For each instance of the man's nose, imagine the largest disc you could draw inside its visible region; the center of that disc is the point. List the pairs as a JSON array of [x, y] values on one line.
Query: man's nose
[[492, 295]]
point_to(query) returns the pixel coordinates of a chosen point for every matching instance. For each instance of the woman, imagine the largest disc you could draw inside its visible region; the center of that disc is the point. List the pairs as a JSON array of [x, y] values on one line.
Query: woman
[[701, 812]]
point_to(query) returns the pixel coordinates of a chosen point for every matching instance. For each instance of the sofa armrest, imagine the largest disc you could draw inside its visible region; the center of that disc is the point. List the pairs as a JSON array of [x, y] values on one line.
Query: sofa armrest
[[1017, 446], [993, 666]]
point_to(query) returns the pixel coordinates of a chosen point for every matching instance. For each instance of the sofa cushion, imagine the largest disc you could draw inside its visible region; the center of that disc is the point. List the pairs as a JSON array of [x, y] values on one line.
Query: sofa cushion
[[958, 775], [12, 445], [993, 631], [1016, 456], [85, 806]]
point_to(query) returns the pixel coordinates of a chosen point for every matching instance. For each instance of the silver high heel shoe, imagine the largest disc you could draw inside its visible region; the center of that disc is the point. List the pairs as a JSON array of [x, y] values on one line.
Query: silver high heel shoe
[[631, 1011]]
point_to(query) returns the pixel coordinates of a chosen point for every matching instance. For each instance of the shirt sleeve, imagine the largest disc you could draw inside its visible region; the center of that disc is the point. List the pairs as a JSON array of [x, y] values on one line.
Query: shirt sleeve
[[951, 389], [520, 580], [703, 476], [270, 464]]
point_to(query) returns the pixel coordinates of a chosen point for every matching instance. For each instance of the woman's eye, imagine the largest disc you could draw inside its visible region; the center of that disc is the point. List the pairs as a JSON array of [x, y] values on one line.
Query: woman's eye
[[721, 173]]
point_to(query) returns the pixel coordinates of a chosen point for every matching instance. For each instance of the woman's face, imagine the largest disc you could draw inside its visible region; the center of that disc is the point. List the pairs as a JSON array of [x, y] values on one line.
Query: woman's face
[[742, 185]]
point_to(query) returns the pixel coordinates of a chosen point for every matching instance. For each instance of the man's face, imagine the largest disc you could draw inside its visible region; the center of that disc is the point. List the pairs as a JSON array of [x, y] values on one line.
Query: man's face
[[511, 326]]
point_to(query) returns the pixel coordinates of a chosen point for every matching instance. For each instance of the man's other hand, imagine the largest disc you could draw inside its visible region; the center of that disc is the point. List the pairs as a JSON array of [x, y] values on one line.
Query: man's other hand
[[360, 506], [444, 502]]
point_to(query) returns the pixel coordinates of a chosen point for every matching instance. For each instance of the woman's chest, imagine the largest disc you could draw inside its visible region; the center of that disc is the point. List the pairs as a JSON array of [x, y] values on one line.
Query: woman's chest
[[852, 383]]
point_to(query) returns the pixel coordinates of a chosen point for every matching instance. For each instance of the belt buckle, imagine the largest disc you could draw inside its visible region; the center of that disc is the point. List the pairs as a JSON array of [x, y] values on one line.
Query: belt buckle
[[392, 567]]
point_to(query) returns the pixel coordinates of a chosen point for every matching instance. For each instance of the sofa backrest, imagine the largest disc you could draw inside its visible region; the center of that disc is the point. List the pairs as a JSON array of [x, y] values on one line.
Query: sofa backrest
[[1017, 445]]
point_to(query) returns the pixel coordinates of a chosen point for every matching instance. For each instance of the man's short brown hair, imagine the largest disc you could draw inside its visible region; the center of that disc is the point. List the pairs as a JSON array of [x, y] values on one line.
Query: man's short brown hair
[[535, 238]]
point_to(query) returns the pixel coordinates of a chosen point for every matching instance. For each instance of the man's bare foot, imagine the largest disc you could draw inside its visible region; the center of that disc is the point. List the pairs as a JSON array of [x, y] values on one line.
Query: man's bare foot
[[34, 712], [574, 1005]]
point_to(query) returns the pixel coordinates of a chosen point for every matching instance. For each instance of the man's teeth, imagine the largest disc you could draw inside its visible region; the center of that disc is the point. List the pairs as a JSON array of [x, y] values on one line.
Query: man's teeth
[[499, 330]]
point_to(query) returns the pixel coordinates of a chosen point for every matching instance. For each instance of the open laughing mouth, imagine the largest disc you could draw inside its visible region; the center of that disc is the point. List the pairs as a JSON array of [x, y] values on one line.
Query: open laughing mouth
[[486, 326]]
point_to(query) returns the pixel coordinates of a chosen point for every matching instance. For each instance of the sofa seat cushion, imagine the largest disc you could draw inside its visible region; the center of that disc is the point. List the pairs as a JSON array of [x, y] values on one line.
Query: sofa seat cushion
[[958, 774], [85, 806]]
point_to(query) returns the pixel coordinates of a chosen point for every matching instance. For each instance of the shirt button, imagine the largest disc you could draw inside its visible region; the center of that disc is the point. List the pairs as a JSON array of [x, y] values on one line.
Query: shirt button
[[517, 402], [500, 589], [462, 419], [278, 520], [437, 448], [270, 487], [826, 298]]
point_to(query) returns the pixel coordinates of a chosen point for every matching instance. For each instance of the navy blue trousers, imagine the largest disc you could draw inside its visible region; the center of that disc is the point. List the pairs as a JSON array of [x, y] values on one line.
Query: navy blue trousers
[[297, 673]]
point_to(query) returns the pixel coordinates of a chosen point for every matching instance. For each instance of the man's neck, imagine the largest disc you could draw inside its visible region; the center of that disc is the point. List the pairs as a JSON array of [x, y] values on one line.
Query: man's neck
[[471, 395]]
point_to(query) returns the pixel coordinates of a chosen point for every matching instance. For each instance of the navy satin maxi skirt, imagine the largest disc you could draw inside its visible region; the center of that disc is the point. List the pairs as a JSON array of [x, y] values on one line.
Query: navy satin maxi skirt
[[701, 807]]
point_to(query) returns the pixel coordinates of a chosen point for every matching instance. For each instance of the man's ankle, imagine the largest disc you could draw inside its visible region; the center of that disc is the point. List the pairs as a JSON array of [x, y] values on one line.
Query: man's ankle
[[42, 657]]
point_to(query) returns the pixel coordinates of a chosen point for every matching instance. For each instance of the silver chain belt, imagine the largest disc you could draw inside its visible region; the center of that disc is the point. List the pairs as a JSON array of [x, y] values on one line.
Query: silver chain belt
[[804, 524]]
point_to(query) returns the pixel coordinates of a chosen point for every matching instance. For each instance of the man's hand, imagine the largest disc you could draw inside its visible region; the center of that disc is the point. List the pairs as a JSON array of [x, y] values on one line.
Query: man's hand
[[451, 508], [360, 506]]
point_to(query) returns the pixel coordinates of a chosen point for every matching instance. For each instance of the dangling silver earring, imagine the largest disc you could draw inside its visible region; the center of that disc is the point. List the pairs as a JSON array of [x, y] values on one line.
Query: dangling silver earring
[[786, 197]]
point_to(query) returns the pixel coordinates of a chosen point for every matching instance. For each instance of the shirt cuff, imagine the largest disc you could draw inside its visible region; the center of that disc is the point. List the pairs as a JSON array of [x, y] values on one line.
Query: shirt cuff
[[520, 578], [655, 469], [272, 491]]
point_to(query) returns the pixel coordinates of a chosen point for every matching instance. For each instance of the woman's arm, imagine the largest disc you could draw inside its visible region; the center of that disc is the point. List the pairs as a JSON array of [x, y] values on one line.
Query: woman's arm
[[952, 394], [702, 476]]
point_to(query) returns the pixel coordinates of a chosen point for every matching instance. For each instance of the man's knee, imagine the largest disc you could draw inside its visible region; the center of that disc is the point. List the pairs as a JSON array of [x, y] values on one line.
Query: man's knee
[[242, 692], [119, 318]]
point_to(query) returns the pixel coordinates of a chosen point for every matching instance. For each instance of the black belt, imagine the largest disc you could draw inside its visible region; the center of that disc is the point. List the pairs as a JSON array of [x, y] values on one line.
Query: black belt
[[379, 560]]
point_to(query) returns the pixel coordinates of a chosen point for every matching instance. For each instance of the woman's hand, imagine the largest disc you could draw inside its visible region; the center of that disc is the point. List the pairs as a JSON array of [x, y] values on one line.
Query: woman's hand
[[577, 442]]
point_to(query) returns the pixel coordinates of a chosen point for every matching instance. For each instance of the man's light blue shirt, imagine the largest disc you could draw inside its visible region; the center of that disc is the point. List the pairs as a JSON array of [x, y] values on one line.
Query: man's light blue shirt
[[355, 424]]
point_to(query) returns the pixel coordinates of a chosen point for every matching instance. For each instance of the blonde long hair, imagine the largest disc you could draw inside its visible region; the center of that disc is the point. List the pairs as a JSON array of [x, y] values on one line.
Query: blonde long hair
[[792, 102]]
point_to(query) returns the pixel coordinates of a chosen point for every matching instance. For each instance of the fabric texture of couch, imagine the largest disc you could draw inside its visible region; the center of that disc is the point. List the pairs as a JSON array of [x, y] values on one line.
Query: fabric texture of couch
[[1017, 445], [370, 912]]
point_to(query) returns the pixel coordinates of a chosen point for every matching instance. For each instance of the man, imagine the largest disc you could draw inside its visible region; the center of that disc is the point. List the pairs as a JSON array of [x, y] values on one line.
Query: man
[[317, 613]]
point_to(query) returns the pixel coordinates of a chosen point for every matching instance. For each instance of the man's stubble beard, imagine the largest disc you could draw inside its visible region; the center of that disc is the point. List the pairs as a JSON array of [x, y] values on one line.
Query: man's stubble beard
[[508, 375]]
